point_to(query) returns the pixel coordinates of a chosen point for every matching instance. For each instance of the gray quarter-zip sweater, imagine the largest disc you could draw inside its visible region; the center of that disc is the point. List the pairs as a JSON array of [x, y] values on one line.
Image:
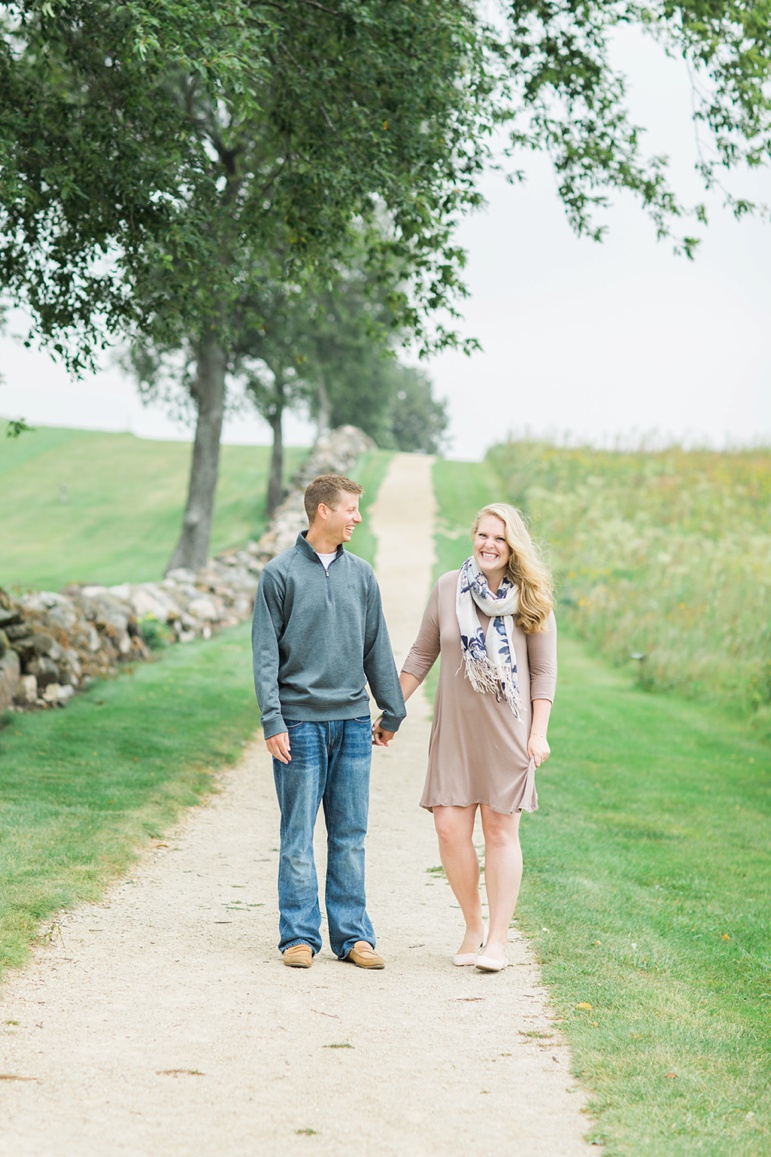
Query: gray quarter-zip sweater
[[317, 636]]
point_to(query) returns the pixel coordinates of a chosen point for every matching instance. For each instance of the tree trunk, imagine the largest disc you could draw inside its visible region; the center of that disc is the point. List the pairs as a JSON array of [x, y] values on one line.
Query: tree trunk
[[276, 477], [323, 407], [192, 550]]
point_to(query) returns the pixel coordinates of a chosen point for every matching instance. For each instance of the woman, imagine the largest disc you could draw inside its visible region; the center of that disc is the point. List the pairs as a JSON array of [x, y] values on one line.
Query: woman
[[493, 624]]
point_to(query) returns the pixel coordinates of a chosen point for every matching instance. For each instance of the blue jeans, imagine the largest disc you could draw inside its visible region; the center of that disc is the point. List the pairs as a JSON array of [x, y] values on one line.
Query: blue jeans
[[330, 764]]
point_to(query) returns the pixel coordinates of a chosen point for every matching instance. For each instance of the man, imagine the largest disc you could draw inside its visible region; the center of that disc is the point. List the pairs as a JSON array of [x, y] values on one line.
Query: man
[[318, 635]]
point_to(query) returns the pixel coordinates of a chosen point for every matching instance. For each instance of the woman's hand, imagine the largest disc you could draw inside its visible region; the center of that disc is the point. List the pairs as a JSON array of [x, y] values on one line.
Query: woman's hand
[[538, 748]]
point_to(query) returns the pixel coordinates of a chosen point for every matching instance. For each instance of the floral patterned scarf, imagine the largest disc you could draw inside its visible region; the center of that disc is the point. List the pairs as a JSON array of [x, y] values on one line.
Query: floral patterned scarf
[[490, 662]]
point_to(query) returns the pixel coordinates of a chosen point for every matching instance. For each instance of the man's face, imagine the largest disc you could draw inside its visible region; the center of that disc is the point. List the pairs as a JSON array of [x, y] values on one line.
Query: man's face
[[343, 518]]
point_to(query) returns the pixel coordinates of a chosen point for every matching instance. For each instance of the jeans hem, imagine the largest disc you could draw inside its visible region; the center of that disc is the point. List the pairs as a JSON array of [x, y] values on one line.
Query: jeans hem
[[294, 943]]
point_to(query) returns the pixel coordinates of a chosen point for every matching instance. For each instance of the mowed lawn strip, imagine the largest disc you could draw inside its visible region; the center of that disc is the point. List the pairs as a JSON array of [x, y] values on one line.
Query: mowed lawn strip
[[82, 506], [646, 896], [82, 789]]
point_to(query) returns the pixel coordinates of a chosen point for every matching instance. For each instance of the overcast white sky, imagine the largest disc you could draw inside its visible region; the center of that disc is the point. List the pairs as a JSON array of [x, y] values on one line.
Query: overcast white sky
[[605, 343]]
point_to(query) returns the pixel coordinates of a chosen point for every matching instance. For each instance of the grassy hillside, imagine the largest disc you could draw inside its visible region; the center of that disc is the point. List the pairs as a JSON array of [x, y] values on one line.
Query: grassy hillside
[[664, 555], [83, 506], [645, 891]]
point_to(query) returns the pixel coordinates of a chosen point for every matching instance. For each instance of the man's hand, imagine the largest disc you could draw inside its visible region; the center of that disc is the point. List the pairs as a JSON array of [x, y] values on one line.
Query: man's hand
[[381, 737], [278, 746]]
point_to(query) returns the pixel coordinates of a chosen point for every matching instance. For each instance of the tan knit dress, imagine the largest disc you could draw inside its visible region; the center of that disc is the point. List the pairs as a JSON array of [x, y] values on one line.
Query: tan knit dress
[[477, 750]]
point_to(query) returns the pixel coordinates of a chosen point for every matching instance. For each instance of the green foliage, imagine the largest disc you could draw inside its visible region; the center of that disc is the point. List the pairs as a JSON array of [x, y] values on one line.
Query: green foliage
[[138, 138], [417, 419], [564, 98], [644, 891], [17, 426], [80, 506], [664, 555], [156, 634], [83, 789], [184, 141]]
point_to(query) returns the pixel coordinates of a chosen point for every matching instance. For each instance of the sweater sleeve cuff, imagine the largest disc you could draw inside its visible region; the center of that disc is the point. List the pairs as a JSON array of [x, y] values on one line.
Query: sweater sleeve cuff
[[274, 727], [390, 723]]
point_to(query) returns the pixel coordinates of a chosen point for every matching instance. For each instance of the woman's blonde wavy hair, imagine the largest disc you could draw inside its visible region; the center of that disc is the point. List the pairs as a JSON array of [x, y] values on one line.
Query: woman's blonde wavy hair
[[526, 567]]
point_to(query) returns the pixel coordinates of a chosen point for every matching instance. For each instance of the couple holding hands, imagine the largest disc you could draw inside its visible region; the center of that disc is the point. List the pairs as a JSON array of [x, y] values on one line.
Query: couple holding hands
[[319, 635]]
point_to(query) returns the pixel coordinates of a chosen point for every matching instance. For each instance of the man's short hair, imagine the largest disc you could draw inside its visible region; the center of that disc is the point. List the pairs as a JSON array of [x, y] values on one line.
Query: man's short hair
[[327, 488]]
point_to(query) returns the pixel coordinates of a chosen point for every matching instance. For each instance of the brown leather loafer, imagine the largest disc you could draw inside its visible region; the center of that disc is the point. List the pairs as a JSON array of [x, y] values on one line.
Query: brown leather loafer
[[363, 955], [298, 956]]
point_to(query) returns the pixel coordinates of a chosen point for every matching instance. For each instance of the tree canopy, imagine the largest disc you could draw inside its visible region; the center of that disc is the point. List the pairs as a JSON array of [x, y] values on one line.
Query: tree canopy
[[112, 116], [160, 163]]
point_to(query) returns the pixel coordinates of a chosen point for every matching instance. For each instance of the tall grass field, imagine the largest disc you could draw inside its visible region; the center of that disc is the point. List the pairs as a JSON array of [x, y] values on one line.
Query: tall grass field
[[663, 556], [82, 506], [647, 873]]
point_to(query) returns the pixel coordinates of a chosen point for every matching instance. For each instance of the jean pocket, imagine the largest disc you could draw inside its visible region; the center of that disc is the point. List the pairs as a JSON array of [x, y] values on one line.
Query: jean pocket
[[293, 724], [362, 719]]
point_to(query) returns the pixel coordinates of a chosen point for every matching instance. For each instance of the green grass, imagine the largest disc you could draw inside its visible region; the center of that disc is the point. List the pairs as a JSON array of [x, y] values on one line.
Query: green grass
[[645, 894], [648, 863], [369, 472], [666, 555], [82, 789], [124, 503]]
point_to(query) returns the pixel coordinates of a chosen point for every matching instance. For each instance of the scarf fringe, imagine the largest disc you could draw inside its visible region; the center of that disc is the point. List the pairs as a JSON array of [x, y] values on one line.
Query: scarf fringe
[[484, 678]]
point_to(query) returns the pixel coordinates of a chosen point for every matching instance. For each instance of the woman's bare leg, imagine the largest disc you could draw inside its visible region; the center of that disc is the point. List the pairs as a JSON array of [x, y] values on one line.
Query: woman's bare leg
[[455, 829], [503, 875]]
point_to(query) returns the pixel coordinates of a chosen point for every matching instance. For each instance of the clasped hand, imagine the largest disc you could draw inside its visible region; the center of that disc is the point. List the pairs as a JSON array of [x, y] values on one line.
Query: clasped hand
[[380, 736]]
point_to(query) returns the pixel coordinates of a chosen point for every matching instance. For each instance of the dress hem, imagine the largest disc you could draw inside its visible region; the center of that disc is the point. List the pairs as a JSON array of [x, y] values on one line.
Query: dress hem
[[472, 803]]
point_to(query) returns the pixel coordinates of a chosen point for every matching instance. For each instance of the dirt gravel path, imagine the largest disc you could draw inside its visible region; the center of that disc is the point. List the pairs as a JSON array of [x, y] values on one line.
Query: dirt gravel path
[[163, 1021]]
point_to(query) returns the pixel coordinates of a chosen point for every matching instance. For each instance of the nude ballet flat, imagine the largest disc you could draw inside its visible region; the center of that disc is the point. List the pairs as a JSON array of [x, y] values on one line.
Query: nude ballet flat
[[469, 959], [491, 964]]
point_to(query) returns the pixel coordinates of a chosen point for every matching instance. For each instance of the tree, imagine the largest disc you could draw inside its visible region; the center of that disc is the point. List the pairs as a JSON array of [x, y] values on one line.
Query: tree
[[417, 419], [150, 154], [280, 179]]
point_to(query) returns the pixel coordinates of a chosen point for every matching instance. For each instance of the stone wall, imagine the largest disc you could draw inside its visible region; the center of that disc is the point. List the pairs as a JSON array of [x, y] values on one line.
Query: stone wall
[[54, 643]]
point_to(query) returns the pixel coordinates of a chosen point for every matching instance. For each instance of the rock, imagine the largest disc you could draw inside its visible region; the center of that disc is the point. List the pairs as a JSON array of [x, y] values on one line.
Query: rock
[[70, 668], [44, 670], [20, 631], [43, 601], [10, 674], [45, 645], [26, 692], [54, 693], [25, 649], [145, 602], [63, 616], [4, 644], [9, 616], [205, 608], [180, 574], [92, 592]]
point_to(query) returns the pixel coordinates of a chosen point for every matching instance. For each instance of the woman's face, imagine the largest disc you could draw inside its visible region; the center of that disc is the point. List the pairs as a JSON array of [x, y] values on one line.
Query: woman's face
[[491, 551]]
